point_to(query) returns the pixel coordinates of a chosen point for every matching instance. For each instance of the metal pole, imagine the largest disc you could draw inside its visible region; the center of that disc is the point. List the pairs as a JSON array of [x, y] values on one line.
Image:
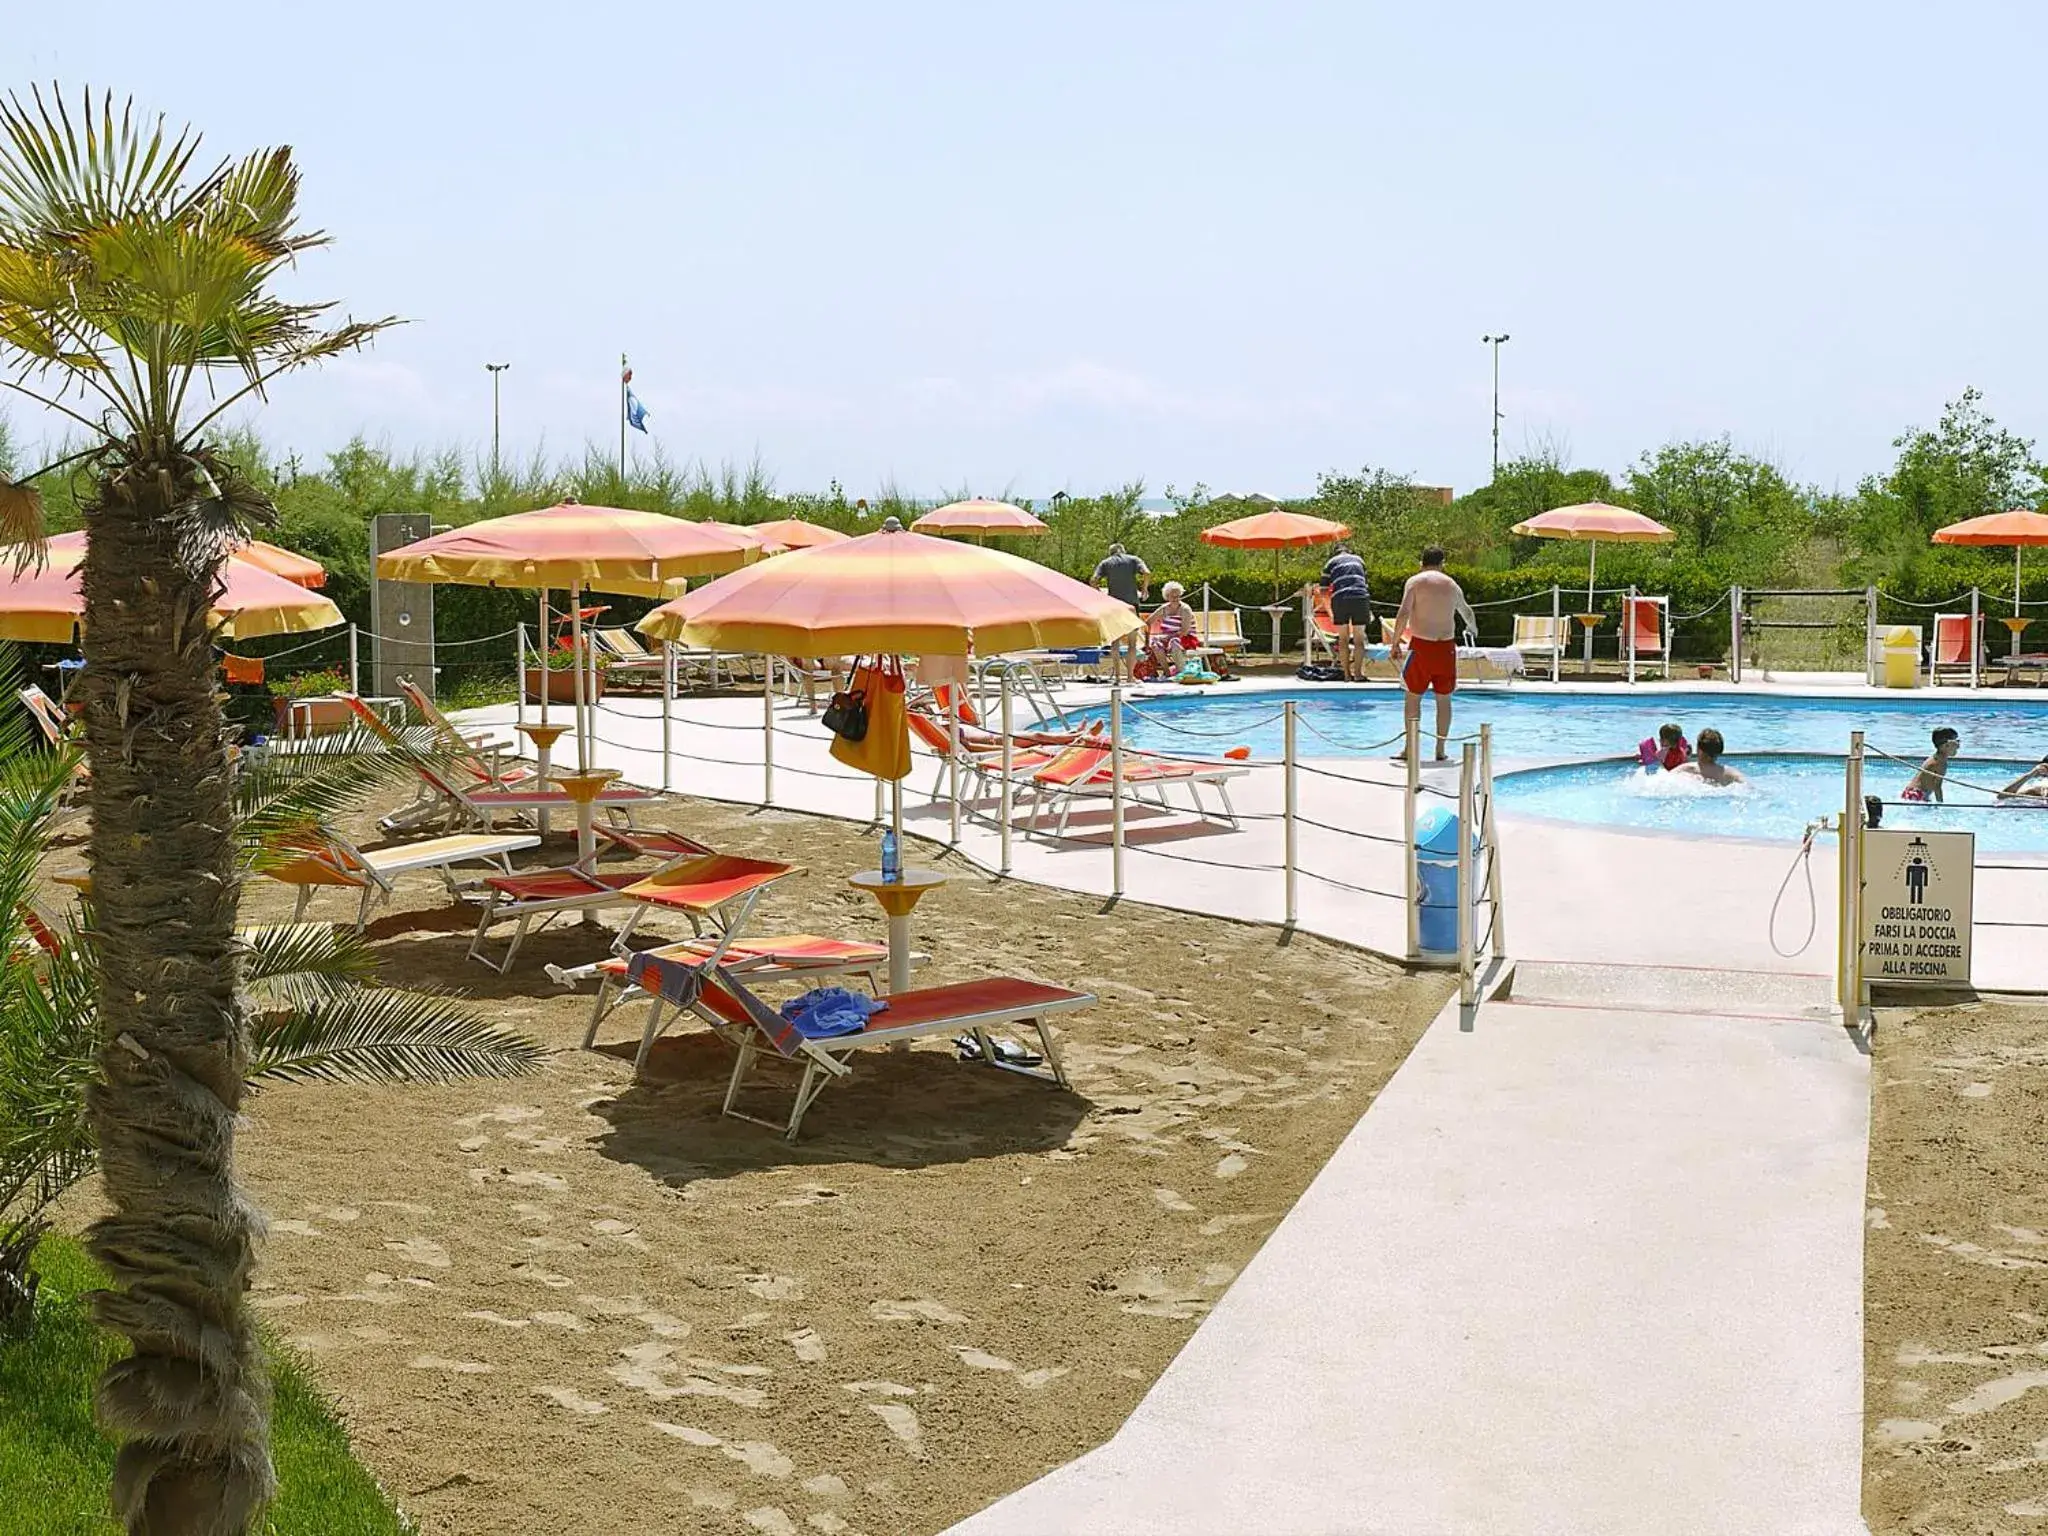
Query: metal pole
[[1409, 881], [768, 749], [1976, 635], [542, 649], [1856, 874], [1465, 819], [354, 686], [1628, 630], [1491, 834], [1005, 809], [1870, 636], [519, 669], [953, 765], [1288, 719], [1308, 626], [1849, 924], [1116, 789], [668, 701], [1735, 634], [1556, 629], [582, 682]]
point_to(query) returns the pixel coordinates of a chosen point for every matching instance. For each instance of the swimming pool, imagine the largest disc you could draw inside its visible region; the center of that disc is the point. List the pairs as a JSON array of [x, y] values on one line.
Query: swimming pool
[[1528, 722], [1781, 796]]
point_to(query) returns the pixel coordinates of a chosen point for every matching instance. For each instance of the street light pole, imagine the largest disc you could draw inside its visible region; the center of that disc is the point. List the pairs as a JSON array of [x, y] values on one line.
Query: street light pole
[[495, 369], [1494, 342]]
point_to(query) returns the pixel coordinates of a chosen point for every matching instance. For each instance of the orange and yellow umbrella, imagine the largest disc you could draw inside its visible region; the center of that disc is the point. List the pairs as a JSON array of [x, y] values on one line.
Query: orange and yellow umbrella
[[1594, 521], [293, 567], [2019, 528], [893, 592], [40, 602], [795, 533], [980, 517], [1275, 531], [603, 549]]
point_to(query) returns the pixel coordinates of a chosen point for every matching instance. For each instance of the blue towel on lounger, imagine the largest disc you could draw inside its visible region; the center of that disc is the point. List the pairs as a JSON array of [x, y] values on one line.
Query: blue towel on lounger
[[824, 1012]]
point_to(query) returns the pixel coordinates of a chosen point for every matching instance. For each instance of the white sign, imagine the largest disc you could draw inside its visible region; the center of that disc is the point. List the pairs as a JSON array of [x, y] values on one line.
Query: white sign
[[1917, 890]]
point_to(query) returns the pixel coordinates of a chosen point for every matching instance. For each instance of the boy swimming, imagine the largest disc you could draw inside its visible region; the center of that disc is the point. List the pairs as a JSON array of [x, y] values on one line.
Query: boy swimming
[[1927, 783]]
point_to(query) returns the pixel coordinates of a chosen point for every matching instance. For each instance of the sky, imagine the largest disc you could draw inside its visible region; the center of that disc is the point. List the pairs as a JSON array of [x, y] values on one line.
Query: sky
[[1016, 249]]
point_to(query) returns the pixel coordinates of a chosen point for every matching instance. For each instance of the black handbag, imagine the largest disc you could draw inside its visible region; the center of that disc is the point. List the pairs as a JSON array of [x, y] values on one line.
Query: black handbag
[[847, 715]]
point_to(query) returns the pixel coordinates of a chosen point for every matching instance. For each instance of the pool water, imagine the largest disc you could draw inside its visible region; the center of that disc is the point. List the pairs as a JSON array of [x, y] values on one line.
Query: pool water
[[1781, 795], [1341, 722]]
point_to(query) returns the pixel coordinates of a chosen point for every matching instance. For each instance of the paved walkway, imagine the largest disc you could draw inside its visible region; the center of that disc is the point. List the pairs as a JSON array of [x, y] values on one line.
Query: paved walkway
[[1579, 1272]]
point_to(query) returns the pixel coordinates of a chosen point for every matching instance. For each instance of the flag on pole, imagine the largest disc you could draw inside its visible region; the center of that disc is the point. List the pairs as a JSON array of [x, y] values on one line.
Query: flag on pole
[[636, 413]]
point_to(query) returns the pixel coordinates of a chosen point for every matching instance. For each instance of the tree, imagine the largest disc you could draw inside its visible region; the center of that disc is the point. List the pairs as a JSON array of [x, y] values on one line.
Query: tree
[[1966, 466], [137, 300], [1721, 501]]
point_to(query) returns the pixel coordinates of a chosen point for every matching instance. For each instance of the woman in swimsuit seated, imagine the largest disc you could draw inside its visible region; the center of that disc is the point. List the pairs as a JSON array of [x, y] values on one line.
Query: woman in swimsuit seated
[[1164, 631], [2030, 787]]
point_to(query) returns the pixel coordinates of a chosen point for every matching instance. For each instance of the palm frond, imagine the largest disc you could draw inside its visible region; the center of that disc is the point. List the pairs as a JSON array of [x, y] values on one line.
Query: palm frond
[[284, 793], [298, 965], [63, 174], [372, 1035]]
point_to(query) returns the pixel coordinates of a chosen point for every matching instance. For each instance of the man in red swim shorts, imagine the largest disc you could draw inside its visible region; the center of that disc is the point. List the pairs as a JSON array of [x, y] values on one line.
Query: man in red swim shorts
[[1426, 628]]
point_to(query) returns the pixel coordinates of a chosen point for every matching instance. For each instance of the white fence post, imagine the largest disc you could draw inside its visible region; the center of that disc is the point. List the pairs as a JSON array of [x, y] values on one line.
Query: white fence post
[[1289, 857], [1409, 878], [1628, 629], [1491, 835], [1976, 635], [768, 746], [1116, 789], [1556, 629], [1870, 636], [1466, 990], [668, 712], [1004, 809], [1735, 634], [354, 685], [1849, 938], [518, 670]]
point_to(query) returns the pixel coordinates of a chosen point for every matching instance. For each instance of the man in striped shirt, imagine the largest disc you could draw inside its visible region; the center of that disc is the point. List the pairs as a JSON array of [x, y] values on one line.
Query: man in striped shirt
[[1350, 610]]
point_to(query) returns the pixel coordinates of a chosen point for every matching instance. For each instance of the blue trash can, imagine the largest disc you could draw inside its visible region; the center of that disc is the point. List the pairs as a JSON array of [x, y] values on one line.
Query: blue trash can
[[1436, 876]]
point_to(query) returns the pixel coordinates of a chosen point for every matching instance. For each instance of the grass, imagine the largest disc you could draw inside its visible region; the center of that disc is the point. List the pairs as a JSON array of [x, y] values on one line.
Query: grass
[[55, 1464]]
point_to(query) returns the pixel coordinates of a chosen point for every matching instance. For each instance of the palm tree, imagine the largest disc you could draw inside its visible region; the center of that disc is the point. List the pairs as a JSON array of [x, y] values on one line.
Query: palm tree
[[137, 300], [314, 1015]]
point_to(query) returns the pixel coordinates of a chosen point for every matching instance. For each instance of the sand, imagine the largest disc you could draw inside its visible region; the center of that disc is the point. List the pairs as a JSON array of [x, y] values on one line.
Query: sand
[[1956, 1293], [579, 1302]]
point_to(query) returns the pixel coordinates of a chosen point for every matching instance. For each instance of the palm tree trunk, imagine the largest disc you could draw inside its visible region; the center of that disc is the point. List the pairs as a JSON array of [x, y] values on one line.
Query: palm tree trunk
[[191, 1403]]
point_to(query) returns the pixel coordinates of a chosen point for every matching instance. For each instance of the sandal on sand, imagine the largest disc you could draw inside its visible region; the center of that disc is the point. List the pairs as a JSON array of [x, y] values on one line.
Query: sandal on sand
[[1008, 1052]]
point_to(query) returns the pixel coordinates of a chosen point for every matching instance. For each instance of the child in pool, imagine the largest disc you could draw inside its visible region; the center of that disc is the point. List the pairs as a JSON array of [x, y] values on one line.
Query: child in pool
[[1927, 783], [1708, 767], [1667, 750]]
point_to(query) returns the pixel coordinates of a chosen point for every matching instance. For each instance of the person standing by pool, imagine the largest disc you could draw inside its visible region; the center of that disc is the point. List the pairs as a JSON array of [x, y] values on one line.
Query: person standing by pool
[[1427, 628], [1126, 578], [1350, 609]]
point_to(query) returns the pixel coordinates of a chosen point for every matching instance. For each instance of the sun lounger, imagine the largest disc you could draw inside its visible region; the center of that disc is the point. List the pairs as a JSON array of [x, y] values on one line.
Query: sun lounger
[[983, 759], [700, 885], [1219, 630], [1476, 664], [1646, 634], [1541, 634], [1085, 770], [805, 957], [722, 999], [55, 726], [466, 791], [324, 858], [480, 744], [1952, 652]]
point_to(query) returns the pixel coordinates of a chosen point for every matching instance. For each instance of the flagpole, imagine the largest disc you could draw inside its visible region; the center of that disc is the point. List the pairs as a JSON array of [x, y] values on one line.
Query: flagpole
[[625, 373]]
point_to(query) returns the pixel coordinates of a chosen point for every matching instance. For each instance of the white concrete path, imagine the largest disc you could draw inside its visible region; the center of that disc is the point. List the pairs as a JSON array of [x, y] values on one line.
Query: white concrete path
[[1578, 1273]]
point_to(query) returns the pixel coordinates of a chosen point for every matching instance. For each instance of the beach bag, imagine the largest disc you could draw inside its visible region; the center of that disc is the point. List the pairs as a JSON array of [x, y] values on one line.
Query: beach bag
[[846, 717], [883, 747]]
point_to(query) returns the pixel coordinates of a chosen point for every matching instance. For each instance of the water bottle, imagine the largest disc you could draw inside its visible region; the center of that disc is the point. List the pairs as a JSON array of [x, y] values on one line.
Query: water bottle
[[892, 863]]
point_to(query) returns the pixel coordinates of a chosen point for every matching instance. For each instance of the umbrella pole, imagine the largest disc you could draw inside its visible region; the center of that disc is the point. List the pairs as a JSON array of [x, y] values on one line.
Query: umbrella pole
[[1592, 560], [582, 683], [541, 639], [2017, 549]]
